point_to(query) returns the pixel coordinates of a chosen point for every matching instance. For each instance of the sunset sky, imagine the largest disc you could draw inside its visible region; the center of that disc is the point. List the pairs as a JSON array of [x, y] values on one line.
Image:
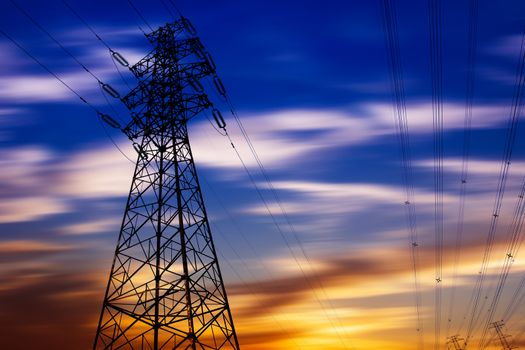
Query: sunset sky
[[310, 81]]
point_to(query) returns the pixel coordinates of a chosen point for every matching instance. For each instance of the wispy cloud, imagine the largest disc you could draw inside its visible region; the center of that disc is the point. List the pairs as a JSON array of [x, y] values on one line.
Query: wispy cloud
[[30, 208], [337, 198], [37, 182], [286, 136], [508, 46], [91, 226], [475, 166]]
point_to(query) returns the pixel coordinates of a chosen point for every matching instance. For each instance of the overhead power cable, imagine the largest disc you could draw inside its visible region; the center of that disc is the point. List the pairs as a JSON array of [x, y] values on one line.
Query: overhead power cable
[[467, 130], [30, 55], [166, 7], [113, 54], [402, 133], [436, 65], [512, 124], [42, 29], [511, 250], [279, 203], [86, 24], [172, 2], [46, 68], [250, 289], [276, 197], [517, 299], [130, 2], [283, 236]]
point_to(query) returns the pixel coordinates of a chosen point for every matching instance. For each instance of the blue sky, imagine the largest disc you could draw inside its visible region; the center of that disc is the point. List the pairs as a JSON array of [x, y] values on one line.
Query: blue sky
[[310, 81]]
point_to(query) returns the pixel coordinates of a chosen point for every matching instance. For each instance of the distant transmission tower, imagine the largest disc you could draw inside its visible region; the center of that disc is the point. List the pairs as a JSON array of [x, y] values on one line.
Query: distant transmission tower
[[165, 290], [503, 339], [454, 343]]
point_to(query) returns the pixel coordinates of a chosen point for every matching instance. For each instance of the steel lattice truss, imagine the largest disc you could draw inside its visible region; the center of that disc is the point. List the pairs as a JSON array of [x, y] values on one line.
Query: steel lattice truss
[[165, 290]]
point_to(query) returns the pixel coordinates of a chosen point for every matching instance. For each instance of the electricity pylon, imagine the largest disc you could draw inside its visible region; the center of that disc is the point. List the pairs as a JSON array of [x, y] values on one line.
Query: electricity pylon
[[503, 339], [165, 290], [454, 343]]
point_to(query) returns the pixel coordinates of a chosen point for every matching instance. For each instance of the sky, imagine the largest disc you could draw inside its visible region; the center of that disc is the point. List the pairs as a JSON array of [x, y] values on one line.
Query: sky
[[310, 81]]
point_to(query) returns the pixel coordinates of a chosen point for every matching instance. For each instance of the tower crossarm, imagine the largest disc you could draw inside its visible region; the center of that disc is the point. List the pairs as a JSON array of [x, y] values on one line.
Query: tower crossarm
[[143, 124], [171, 72]]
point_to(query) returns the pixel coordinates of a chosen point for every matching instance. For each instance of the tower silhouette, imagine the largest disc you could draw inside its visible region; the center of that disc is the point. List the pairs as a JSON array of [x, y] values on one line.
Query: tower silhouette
[[165, 289], [454, 343], [504, 341]]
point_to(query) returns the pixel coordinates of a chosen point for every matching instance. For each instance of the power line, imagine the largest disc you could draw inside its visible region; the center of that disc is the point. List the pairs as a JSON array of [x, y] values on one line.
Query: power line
[[243, 262], [172, 2], [115, 56], [503, 175], [436, 65], [279, 202], [163, 3], [39, 26], [467, 130], [86, 24], [283, 236], [41, 64], [272, 189], [515, 230], [130, 2], [30, 55], [401, 123]]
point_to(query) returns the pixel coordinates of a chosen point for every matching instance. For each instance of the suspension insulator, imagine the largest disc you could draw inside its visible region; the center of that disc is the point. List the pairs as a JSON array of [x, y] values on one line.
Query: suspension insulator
[[218, 118], [110, 121], [119, 58], [219, 85], [111, 92], [196, 85], [209, 61], [189, 27]]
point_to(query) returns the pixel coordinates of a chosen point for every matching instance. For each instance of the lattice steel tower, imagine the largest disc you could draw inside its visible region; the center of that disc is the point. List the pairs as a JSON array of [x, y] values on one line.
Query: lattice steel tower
[[506, 344], [165, 290], [454, 343]]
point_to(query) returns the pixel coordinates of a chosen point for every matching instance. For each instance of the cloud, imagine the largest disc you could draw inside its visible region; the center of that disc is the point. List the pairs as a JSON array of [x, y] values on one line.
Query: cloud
[[29, 246], [37, 182], [282, 138], [82, 37], [508, 46], [288, 136], [24, 185], [100, 172], [17, 86], [323, 206], [475, 166], [29, 208], [91, 227], [356, 275], [40, 312], [22, 166]]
